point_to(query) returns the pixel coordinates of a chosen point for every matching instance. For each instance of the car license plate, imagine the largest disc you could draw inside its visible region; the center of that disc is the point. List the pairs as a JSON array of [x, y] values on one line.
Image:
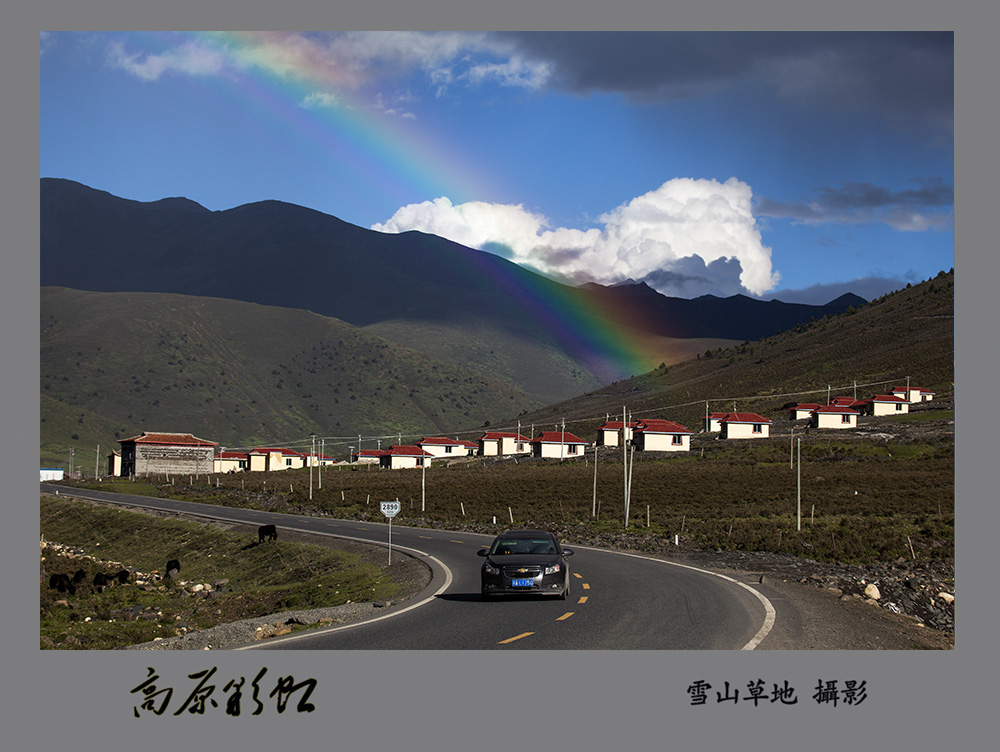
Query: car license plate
[[522, 582]]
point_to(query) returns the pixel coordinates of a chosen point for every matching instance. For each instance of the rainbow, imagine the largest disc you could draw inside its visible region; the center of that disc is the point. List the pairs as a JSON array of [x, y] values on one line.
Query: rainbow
[[403, 163]]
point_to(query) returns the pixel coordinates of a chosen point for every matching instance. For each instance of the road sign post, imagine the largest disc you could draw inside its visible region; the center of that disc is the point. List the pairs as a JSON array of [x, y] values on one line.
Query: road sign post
[[390, 509]]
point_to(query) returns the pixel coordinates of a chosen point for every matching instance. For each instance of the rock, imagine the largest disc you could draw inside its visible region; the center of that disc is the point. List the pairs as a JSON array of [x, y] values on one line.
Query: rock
[[872, 592], [196, 588], [947, 597]]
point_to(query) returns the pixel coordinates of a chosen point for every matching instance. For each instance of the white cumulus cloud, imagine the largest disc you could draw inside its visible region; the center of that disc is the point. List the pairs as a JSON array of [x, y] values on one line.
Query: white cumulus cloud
[[688, 237]]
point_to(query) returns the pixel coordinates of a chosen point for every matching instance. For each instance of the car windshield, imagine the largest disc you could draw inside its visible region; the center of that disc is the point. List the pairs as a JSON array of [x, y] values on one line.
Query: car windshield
[[506, 546]]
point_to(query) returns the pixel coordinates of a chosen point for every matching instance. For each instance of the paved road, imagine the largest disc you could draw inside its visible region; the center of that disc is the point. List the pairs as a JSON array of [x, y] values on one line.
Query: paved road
[[618, 601]]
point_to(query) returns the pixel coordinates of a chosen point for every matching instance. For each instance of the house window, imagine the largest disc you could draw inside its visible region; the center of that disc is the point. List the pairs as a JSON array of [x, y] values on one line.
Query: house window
[[573, 449], [758, 428], [288, 462], [420, 461], [677, 440], [845, 418], [447, 449], [899, 407]]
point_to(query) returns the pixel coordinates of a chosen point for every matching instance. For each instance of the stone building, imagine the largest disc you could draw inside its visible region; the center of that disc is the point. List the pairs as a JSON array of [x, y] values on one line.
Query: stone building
[[166, 453]]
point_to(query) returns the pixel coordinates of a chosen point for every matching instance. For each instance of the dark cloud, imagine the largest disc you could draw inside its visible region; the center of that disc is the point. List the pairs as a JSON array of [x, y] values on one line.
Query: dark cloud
[[928, 206], [907, 77], [690, 277]]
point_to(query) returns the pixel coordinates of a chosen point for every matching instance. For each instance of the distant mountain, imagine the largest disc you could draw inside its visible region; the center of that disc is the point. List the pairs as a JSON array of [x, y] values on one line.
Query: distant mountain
[[471, 308], [736, 317]]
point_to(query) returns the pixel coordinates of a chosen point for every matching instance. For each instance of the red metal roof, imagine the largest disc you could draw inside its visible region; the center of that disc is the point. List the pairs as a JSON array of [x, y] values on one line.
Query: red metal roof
[[836, 409], [557, 437], [497, 435], [439, 441], [168, 438], [616, 425], [405, 451], [886, 398], [271, 450], [657, 425], [745, 418]]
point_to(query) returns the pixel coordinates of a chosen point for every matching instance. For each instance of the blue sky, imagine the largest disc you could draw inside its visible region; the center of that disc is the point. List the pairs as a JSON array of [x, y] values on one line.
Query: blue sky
[[791, 165]]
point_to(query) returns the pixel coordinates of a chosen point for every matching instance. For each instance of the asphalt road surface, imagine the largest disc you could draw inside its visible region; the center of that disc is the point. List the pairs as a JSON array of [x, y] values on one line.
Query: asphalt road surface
[[618, 601]]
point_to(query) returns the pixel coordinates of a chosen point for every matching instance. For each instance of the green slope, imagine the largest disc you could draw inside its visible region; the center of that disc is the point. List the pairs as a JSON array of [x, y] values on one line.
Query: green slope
[[241, 374], [907, 333]]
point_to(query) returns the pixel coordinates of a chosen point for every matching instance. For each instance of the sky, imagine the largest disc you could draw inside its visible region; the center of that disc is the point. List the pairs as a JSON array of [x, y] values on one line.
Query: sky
[[790, 165]]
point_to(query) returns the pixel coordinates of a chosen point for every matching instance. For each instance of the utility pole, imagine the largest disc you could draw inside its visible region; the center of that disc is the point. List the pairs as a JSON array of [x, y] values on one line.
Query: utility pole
[[798, 512], [312, 460], [322, 453], [562, 441], [97, 459], [593, 512], [625, 460]]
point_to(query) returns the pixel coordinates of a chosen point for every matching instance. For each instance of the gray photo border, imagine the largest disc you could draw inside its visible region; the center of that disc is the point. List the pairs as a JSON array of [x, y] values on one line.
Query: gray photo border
[[447, 700]]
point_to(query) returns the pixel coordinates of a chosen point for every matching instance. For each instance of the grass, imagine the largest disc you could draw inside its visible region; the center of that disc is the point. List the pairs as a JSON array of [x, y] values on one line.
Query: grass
[[262, 579]]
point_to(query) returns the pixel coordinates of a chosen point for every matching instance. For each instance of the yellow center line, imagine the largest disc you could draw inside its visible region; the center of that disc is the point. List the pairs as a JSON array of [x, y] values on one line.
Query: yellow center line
[[586, 586], [455, 541], [583, 599], [578, 576], [425, 537], [511, 639], [565, 616]]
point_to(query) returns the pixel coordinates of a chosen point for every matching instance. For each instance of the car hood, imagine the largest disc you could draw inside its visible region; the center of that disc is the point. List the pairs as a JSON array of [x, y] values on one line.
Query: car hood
[[521, 560]]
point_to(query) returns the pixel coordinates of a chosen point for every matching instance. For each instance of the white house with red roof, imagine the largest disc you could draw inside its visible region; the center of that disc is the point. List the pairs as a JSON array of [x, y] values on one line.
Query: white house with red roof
[[274, 458], [558, 445], [913, 393], [471, 448], [852, 402], [399, 457], [656, 435], [745, 426], [439, 446], [166, 453], [614, 432], [712, 423], [368, 456], [887, 404], [230, 462], [835, 416], [802, 410], [494, 443]]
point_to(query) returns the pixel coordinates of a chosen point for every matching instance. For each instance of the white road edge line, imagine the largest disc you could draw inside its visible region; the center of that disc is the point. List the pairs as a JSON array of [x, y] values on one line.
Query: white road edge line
[[313, 632], [769, 614]]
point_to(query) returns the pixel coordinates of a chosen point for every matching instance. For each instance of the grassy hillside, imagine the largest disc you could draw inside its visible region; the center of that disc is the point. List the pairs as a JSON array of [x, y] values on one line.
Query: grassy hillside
[[908, 333], [260, 579], [114, 364]]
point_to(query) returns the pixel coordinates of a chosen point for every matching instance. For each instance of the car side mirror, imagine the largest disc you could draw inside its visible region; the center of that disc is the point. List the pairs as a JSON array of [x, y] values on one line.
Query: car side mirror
[[567, 552], [483, 552]]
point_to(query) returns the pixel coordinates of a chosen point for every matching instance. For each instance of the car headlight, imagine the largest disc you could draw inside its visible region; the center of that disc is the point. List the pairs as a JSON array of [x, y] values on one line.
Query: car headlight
[[490, 569], [553, 569]]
